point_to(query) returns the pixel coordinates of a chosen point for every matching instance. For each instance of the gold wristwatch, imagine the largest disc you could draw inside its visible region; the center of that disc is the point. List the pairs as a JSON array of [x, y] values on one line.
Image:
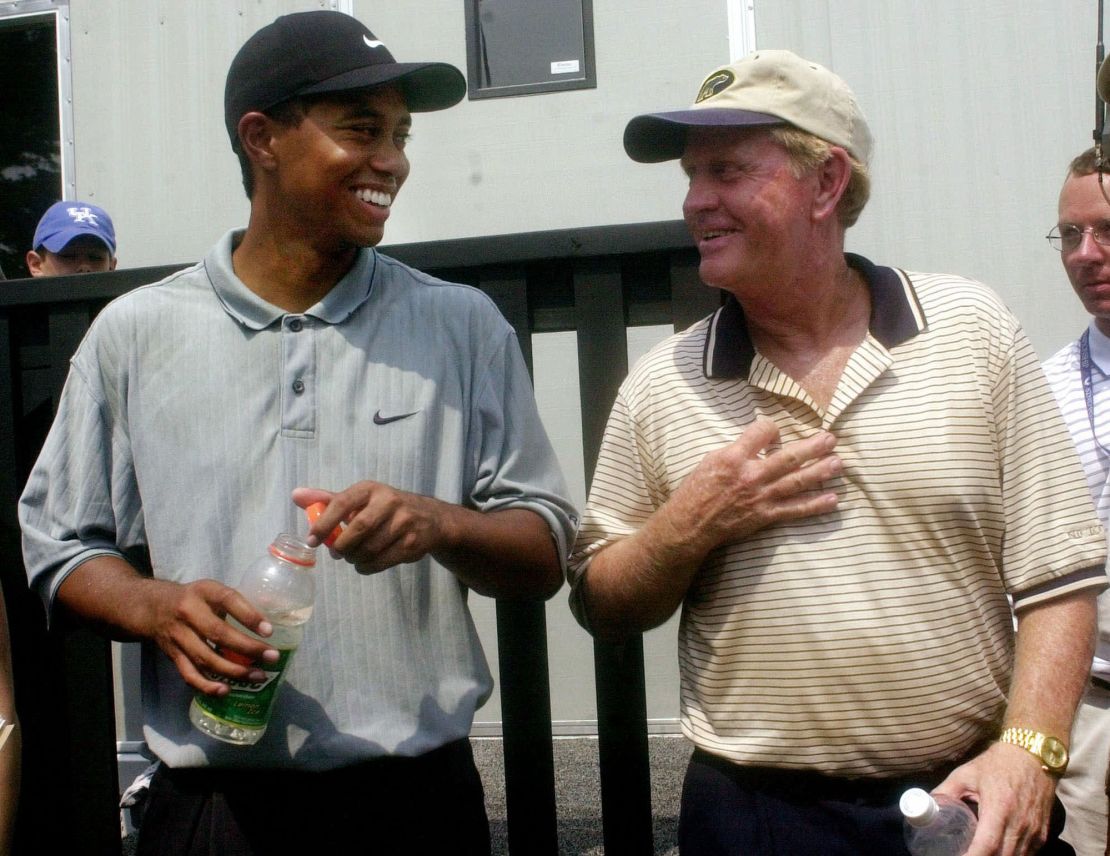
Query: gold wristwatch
[[1053, 754]]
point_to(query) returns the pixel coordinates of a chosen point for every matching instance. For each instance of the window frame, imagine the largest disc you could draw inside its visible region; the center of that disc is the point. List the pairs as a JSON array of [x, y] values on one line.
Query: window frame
[[50, 19], [59, 11], [587, 79]]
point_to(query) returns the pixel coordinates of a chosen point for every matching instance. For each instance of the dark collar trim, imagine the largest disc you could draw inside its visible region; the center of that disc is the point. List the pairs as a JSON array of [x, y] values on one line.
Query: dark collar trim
[[896, 317]]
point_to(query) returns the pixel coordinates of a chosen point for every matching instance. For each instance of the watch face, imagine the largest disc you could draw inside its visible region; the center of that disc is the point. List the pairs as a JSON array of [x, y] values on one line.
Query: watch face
[[1054, 754]]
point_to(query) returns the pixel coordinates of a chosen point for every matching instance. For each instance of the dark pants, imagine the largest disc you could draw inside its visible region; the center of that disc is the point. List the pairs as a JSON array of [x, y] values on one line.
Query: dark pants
[[728, 810], [432, 804]]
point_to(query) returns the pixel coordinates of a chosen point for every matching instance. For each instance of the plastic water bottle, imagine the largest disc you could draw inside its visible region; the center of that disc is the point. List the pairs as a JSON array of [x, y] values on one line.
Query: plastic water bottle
[[282, 586], [936, 825]]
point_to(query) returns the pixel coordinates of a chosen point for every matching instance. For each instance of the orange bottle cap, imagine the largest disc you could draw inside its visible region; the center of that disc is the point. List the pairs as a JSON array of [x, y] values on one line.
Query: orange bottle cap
[[313, 513]]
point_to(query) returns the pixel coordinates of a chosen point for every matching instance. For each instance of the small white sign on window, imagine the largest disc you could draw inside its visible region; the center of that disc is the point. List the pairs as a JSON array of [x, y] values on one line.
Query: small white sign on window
[[566, 66]]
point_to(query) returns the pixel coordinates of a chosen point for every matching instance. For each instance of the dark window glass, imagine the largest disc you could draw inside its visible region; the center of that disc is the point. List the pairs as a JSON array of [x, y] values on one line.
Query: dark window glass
[[519, 47], [30, 148]]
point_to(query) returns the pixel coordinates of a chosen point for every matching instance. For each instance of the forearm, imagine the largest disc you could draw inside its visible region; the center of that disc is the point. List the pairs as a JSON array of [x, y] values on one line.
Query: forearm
[[1055, 643], [112, 595], [187, 621], [503, 554], [638, 582]]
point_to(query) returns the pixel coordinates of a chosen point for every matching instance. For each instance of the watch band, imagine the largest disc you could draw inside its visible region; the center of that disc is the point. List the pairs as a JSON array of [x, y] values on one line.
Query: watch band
[[1050, 751]]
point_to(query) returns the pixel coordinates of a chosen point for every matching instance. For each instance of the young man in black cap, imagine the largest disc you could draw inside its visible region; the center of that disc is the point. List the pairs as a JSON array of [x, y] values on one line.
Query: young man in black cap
[[295, 356]]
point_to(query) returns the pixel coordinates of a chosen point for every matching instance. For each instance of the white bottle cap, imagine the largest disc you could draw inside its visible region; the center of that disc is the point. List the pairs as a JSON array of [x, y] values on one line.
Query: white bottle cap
[[918, 807]]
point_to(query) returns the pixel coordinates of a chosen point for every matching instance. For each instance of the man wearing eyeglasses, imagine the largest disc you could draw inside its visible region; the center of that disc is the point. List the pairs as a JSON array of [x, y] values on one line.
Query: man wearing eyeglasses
[[1080, 378]]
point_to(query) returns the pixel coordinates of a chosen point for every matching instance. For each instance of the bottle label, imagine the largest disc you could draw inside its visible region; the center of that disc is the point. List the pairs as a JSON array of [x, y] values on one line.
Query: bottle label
[[249, 703]]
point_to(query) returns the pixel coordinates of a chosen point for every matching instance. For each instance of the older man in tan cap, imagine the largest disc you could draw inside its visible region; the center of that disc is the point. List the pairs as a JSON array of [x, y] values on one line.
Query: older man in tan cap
[[839, 476]]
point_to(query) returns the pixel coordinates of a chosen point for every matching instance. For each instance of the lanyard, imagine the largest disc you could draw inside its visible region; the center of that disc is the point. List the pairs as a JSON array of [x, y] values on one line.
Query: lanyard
[[1086, 365]]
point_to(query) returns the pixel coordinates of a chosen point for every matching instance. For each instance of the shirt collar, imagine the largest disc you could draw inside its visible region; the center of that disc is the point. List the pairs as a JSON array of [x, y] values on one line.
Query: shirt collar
[[252, 311], [1100, 348], [896, 317]]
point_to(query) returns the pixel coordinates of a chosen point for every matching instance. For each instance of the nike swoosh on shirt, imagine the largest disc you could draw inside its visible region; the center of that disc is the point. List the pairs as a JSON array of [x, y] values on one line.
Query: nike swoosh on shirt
[[385, 420]]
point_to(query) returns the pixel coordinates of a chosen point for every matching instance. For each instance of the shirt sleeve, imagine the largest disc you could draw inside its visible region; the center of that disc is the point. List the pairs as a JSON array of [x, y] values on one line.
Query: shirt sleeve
[[81, 500], [1054, 544], [514, 463], [621, 499]]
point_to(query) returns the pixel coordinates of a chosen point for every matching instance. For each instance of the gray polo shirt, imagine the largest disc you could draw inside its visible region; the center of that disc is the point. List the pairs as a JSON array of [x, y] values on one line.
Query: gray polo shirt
[[193, 408]]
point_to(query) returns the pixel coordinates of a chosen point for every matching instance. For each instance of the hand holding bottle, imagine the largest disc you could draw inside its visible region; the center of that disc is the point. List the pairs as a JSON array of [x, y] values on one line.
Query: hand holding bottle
[[936, 824], [281, 586], [187, 622]]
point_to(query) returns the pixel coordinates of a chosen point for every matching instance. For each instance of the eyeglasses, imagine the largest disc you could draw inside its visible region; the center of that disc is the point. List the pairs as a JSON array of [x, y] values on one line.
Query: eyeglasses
[[1067, 237]]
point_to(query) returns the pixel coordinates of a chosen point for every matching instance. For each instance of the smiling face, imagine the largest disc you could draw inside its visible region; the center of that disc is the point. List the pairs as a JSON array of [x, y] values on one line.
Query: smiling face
[[338, 171], [744, 207], [1088, 265]]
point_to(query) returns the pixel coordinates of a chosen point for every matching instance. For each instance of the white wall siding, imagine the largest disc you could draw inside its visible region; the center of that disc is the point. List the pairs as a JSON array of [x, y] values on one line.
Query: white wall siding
[[977, 108], [152, 149]]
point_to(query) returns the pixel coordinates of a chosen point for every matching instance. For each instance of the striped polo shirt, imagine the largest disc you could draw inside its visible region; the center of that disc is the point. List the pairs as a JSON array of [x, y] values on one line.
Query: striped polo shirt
[[1062, 370], [877, 639]]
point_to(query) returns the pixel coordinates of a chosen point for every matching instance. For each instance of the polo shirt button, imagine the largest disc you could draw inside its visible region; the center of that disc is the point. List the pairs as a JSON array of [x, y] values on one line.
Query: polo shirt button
[[296, 325], [298, 386]]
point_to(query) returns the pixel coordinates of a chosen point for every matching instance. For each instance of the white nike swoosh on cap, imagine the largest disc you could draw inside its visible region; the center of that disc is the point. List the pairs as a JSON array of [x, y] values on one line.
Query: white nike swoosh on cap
[[372, 44]]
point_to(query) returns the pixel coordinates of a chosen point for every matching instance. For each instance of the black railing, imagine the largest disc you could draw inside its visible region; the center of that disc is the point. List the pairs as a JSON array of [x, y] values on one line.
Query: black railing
[[597, 281]]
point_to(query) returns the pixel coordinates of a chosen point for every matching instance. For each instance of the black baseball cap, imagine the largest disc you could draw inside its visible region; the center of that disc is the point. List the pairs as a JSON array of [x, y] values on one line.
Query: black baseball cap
[[312, 53]]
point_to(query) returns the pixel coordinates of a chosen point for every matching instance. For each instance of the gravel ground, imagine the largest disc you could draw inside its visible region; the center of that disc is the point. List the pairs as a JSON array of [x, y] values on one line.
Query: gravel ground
[[578, 793]]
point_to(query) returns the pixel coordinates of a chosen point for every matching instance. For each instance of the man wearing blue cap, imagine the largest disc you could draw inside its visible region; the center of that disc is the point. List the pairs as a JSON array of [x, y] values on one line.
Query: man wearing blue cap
[[839, 477], [73, 237], [294, 365]]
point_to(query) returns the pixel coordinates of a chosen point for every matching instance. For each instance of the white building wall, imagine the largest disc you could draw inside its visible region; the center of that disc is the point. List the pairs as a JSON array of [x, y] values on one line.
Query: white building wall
[[151, 146], [149, 141], [977, 106]]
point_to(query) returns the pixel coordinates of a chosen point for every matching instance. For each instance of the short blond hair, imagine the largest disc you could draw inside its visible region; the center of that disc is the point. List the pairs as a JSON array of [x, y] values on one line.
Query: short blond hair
[[807, 152]]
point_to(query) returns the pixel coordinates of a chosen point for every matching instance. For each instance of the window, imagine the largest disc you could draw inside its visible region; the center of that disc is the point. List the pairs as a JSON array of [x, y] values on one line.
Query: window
[[35, 169], [522, 47]]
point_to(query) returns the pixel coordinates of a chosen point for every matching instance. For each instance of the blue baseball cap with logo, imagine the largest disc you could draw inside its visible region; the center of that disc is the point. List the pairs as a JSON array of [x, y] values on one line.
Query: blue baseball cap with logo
[[69, 219]]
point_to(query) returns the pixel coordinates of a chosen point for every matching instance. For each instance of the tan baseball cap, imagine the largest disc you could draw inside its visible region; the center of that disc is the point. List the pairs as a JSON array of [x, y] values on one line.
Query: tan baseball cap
[[1104, 80], [767, 87]]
